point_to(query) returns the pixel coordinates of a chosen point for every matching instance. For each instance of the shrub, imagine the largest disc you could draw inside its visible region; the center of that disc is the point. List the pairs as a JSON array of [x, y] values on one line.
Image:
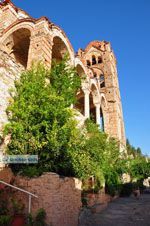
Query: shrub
[[126, 189], [40, 217], [5, 220]]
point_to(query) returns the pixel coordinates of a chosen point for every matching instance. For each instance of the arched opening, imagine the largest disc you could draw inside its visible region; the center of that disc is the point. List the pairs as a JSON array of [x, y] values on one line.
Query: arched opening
[[92, 109], [96, 77], [99, 60], [17, 45], [80, 71], [59, 49], [102, 82], [94, 99], [88, 63], [80, 102], [80, 95], [101, 120], [93, 60]]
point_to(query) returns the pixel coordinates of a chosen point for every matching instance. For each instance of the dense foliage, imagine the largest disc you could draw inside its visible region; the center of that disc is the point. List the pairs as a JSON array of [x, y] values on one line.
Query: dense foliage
[[40, 116], [42, 122]]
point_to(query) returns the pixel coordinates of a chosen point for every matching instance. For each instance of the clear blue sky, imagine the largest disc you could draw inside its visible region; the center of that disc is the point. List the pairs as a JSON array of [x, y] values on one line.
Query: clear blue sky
[[126, 24]]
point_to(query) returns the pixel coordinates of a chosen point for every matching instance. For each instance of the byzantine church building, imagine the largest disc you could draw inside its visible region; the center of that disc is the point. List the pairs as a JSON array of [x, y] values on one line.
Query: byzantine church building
[[24, 40]]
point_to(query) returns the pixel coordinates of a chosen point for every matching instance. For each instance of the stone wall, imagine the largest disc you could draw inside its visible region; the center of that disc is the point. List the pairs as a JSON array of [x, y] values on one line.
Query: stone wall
[[9, 71], [60, 197], [6, 175]]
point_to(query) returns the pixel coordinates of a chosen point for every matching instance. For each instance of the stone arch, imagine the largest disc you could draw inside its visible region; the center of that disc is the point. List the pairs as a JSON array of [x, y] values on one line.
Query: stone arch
[[15, 26], [80, 102], [16, 42], [95, 91], [82, 71], [17, 45], [99, 75], [80, 105], [80, 67], [103, 100], [61, 46]]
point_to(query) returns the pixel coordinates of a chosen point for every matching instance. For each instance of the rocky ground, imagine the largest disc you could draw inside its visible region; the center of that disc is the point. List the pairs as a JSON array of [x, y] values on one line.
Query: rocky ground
[[121, 212]]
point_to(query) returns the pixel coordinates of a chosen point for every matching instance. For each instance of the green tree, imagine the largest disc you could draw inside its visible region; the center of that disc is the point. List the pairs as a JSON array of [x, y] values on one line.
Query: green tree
[[41, 122], [139, 169], [40, 119], [139, 152], [109, 163], [128, 147]]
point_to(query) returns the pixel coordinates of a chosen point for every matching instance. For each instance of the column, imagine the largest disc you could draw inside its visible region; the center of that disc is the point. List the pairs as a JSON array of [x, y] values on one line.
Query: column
[[86, 103], [97, 105]]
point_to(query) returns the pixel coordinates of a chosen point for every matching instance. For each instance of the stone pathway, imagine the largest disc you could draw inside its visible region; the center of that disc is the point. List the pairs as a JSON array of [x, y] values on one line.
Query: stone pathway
[[121, 212]]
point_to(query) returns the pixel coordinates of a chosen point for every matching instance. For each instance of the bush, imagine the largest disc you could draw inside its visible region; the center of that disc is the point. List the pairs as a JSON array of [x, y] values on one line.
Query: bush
[[40, 217], [84, 198], [5, 220], [126, 189]]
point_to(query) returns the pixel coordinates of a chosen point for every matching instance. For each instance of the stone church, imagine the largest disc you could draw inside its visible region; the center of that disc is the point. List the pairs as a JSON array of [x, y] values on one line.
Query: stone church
[[24, 39]]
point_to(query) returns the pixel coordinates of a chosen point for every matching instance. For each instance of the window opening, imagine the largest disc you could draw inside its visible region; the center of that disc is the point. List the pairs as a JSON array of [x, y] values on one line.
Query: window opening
[[102, 82], [96, 77], [99, 60], [88, 63], [93, 60]]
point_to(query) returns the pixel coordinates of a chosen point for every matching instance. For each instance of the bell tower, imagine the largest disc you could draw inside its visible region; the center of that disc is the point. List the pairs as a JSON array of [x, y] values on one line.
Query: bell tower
[[99, 58]]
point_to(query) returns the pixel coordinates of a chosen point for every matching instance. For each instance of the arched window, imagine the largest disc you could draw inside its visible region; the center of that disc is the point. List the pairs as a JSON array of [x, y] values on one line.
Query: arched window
[[99, 60], [59, 49], [79, 105], [80, 95], [93, 60], [94, 98], [92, 109], [102, 82], [88, 63]]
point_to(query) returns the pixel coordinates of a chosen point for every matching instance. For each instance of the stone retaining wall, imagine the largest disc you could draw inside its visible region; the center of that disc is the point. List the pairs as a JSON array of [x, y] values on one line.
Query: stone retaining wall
[[60, 197]]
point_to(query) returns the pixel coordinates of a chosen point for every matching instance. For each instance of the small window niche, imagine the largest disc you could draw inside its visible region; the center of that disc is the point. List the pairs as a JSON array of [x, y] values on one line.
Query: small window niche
[[88, 63], [93, 60], [100, 60]]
